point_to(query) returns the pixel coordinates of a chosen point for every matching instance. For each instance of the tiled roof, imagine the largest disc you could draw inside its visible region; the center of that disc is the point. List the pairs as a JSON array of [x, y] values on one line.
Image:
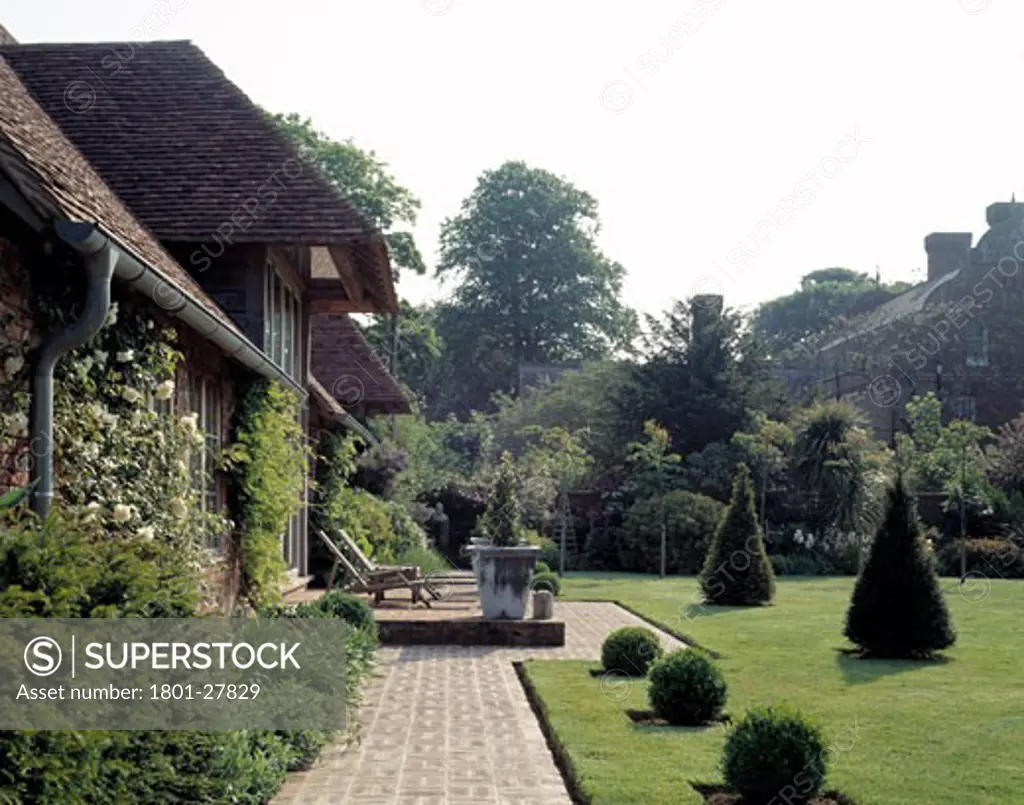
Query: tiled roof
[[54, 175], [906, 304], [186, 149], [345, 364]]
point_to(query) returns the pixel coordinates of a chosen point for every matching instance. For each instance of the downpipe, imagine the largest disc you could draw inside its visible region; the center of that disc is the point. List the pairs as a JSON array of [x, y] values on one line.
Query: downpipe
[[100, 258]]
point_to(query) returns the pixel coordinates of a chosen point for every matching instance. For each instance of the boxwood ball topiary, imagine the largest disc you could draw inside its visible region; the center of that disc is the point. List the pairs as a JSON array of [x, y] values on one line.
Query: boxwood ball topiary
[[687, 688], [775, 752], [547, 581], [630, 650], [354, 610]]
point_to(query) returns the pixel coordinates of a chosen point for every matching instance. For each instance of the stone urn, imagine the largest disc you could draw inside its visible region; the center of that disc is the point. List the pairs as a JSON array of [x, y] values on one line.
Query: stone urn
[[504, 577]]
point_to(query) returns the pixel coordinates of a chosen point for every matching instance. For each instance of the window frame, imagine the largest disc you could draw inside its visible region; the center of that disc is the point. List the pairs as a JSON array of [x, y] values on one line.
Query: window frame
[[976, 345], [283, 340]]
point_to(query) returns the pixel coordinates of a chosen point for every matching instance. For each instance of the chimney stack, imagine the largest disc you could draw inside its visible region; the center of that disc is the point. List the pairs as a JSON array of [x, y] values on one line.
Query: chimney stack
[[704, 310], [947, 251]]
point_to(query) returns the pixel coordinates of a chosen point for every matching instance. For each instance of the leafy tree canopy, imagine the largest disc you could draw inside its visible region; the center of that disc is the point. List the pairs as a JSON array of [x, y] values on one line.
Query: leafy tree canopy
[[531, 285], [366, 181], [825, 299]]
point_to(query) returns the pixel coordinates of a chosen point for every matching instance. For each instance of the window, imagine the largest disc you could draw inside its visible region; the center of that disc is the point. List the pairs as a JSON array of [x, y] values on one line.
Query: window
[[204, 400], [976, 341], [964, 408], [282, 323]]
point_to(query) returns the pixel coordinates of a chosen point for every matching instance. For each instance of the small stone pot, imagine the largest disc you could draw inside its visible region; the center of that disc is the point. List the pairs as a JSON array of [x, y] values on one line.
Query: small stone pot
[[543, 605], [504, 576]]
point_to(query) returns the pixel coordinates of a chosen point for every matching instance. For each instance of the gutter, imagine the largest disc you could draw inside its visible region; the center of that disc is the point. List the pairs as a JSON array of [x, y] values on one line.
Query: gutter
[[358, 427], [106, 258], [156, 286]]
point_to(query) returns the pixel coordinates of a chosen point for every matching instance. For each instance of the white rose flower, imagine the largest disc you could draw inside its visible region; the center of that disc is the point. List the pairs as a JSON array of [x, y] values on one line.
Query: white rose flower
[[100, 357], [126, 356], [190, 422], [149, 324], [182, 467], [13, 365], [122, 513], [131, 395], [165, 390], [146, 532], [178, 508], [17, 424], [91, 510]]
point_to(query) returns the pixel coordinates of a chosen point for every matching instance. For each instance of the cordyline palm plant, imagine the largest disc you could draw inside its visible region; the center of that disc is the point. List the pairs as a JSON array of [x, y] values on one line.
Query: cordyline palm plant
[[841, 469]]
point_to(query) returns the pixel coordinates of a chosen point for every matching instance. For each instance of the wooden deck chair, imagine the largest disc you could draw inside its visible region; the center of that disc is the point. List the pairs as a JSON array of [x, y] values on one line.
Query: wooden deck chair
[[368, 565], [376, 583], [371, 568]]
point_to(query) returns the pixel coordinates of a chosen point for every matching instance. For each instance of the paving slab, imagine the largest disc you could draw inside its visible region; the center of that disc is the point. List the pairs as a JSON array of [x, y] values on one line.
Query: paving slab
[[449, 724]]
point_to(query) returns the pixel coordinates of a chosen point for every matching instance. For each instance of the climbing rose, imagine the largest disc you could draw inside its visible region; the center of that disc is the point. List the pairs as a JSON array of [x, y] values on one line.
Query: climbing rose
[[165, 390], [178, 507], [13, 365], [126, 356], [122, 513]]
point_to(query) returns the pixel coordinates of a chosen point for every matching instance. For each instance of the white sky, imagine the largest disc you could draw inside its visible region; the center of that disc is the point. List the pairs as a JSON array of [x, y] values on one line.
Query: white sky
[[747, 102]]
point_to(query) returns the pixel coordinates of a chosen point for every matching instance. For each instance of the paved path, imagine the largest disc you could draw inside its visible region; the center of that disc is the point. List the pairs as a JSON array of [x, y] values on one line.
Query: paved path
[[444, 724]]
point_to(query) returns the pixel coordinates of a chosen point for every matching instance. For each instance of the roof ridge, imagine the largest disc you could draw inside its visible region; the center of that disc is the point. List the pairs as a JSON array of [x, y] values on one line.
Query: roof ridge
[[84, 45]]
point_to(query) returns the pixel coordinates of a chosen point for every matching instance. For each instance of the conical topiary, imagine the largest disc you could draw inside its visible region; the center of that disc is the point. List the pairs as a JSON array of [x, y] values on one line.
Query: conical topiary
[[737, 571], [501, 521], [897, 609]]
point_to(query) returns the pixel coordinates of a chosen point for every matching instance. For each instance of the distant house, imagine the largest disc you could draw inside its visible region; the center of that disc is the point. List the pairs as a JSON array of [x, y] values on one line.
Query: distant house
[[219, 225], [957, 334]]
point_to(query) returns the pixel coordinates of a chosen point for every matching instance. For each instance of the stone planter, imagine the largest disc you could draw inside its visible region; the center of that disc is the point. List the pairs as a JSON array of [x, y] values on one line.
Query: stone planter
[[503, 576]]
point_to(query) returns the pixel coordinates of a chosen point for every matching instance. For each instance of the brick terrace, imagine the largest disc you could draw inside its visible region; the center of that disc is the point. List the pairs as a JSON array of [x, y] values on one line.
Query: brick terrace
[[445, 724]]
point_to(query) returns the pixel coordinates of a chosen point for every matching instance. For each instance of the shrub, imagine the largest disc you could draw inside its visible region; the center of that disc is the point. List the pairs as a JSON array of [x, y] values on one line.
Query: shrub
[[630, 650], [70, 567], [897, 608], [549, 554], [691, 521], [800, 564], [547, 581], [542, 567], [687, 688], [427, 560], [501, 522], [737, 571], [355, 611], [775, 752], [994, 558]]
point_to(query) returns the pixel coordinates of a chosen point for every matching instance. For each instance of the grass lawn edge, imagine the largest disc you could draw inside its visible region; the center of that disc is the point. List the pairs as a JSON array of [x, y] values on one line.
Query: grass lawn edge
[[558, 751]]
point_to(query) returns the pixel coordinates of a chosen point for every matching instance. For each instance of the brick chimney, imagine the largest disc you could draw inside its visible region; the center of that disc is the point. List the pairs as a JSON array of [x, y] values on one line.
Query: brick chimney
[[947, 251], [704, 310], [6, 37]]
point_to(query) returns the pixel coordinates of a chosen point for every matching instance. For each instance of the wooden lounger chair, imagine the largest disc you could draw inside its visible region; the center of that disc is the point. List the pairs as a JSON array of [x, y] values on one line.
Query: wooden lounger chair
[[378, 581]]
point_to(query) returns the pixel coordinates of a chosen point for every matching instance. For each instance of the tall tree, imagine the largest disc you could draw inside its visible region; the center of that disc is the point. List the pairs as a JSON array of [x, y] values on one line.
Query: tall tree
[[366, 181], [703, 375], [531, 284]]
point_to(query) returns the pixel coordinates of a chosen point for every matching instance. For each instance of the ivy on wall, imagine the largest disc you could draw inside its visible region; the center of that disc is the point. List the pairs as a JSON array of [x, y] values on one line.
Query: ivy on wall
[[268, 463]]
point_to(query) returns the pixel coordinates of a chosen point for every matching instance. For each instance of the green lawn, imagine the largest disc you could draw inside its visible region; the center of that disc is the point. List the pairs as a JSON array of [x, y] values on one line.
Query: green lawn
[[940, 733]]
